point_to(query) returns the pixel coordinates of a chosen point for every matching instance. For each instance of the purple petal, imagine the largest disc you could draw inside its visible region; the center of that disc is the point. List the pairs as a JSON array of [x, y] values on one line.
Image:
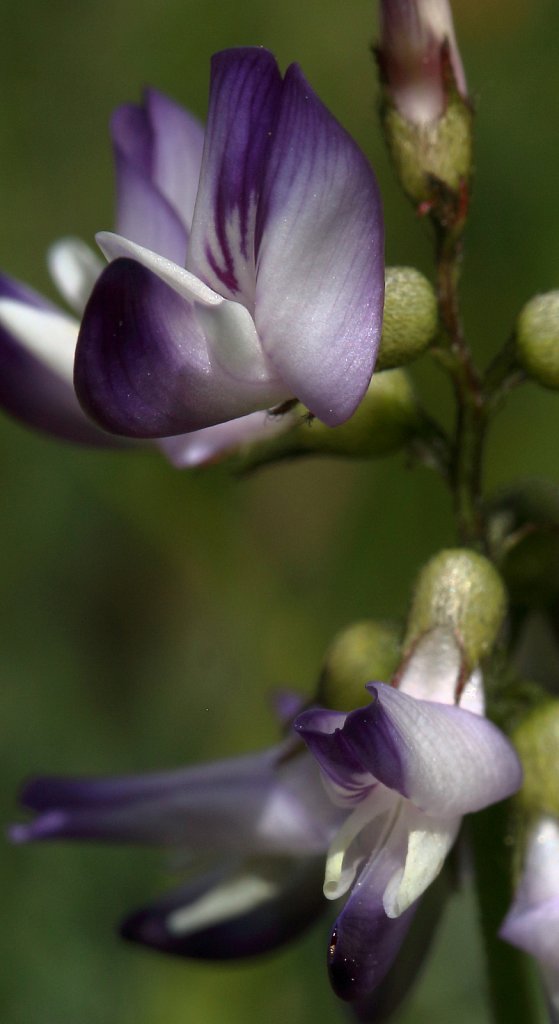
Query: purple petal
[[226, 915], [246, 804], [36, 355], [244, 96], [144, 214], [364, 941], [323, 732], [178, 142], [320, 262], [447, 761], [142, 363]]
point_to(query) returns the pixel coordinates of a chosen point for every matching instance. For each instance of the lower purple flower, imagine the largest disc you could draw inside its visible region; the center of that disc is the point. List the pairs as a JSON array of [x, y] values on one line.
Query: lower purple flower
[[408, 767]]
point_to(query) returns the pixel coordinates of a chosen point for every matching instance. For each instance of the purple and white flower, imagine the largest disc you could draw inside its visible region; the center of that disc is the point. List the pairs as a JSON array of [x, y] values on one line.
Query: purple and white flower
[[273, 291], [286, 204], [407, 768], [248, 834], [413, 34], [532, 923]]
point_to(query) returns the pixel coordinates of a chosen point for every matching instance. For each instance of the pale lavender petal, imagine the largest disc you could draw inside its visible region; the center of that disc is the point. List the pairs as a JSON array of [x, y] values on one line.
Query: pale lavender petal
[[447, 761], [243, 805], [36, 355], [208, 445], [532, 923], [230, 914], [244, 95], [74, 269], [178, 141], [364, 941], [142, 363], [320, 257], [144, 214]]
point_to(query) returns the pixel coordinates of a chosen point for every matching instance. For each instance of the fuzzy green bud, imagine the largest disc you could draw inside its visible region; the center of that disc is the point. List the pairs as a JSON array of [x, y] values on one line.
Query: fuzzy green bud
[[366, 651], [462, 591], [410, 317], [384, 421], [537, 339], [537, 742]]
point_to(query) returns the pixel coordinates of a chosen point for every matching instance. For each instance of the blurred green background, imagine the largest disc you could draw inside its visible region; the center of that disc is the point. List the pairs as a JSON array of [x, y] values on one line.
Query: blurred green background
[[146, 614]]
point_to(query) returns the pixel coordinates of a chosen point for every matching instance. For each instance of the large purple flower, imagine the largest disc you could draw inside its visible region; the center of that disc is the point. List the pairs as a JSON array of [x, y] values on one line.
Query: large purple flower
[[158, 152], [248, 834], [532, 922], [274, 290], [407, 767]]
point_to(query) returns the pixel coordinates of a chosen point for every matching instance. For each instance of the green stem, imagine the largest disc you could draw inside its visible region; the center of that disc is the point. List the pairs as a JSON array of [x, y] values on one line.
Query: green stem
[[471, 419], [513, 994]]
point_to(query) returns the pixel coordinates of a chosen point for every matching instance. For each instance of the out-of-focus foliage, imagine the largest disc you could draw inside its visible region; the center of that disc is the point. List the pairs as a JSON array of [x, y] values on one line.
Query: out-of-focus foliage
[[145, 614]]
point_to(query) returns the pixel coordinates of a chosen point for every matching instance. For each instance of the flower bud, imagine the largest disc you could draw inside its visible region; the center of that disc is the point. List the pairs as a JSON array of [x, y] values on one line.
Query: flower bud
[[537, 339], [416, 41], [537, 742], [410, 317], [386, 418], [460, 590], [426, 115], [524, 526], [365, 651]]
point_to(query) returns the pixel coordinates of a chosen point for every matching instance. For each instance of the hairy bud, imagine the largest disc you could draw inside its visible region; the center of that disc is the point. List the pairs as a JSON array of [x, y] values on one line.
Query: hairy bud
[[363, 652], [537, 339], [410, 317]]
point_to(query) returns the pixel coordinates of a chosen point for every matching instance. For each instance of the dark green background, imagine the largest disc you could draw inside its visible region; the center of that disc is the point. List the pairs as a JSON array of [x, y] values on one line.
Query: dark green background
[[146, 614]]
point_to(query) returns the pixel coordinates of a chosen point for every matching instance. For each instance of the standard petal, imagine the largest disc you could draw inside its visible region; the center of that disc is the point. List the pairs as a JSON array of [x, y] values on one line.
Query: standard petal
[[237, 913], [447, 761], [244, 97], [243, 805], [144, 214], [364, 940], [74, 269], [143, 368], [37, 345], [320, 257]]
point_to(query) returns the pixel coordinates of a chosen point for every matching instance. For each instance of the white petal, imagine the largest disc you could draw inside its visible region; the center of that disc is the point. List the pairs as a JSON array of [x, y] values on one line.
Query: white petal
[[182, 281], [429, 841], [49, 336], [74, 269], [433, 669], [234, 896]]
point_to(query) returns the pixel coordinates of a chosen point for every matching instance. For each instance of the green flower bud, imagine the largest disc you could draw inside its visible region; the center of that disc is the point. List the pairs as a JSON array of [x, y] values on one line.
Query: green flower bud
[[386, 418], [462, 591], [410, 317], [365, 651], [537, 742], [537, 339], [432, 159]]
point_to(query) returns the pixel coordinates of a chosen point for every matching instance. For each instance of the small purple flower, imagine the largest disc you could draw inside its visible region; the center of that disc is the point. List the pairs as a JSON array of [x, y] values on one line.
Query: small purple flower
[[413, 34], [407, 767], [273, 291], [248, 833], [532, 922]]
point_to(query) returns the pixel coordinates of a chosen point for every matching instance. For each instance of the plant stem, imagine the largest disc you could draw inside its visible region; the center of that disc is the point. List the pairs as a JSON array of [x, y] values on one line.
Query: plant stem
[[470, 419], [513, 994]]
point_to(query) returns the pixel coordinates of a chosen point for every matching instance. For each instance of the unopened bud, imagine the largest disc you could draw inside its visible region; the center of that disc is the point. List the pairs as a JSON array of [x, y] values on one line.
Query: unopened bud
[[537, 339], [537, 742], [363, 652], [524, 526], [415, 38], [460, 590], [426, 114], [410, 317]]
